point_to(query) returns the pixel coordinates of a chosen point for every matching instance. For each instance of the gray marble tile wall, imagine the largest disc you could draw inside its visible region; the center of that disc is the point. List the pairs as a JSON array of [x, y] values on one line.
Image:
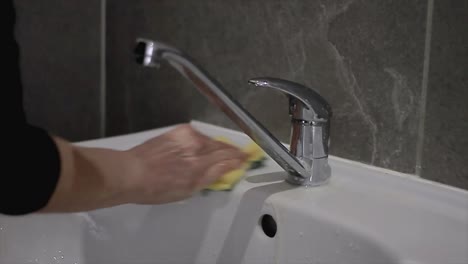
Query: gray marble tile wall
[[60, 62], [445, 152], [367, 58]]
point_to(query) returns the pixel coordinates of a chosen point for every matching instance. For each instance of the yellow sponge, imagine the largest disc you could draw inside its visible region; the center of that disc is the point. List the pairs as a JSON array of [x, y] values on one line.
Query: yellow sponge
[[255, 160]]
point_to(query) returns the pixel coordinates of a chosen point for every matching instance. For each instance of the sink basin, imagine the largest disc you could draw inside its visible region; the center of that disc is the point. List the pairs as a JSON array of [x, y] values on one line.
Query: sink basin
[[364, 215]]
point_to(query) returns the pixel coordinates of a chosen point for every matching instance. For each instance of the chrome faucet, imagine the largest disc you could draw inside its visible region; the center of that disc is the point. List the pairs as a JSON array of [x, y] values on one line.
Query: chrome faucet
[[307, 161]]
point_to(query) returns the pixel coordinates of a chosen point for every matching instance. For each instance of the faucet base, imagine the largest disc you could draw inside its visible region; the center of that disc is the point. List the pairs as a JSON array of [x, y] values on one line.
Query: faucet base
[[320, 174]]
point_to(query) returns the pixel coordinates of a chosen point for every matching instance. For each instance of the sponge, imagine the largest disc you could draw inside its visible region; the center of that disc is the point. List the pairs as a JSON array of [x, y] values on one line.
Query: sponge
[[256, 158]]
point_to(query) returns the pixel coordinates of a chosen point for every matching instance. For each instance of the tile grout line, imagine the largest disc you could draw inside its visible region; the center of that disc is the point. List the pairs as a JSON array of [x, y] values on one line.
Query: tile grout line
[[102, 81], [424, 87]]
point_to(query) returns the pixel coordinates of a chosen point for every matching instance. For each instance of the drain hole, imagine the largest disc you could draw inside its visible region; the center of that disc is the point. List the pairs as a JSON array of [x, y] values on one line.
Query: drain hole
[[268, 225]]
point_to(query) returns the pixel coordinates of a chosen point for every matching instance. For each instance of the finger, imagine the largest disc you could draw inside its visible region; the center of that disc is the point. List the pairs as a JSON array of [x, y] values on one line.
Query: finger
[[216, 171], [215, 145], [219, 162], [190, 140], [222, 154]]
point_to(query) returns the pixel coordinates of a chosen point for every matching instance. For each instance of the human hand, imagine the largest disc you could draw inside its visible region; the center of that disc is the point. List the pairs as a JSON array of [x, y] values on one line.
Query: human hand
[[177, 164]]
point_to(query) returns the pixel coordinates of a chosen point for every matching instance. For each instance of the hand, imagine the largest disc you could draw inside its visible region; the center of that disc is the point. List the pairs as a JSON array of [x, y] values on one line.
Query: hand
[[167, 168], [178, 164]]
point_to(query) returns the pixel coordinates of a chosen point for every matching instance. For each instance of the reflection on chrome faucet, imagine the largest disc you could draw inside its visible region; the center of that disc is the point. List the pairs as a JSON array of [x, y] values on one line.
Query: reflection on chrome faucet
[[307, 162]]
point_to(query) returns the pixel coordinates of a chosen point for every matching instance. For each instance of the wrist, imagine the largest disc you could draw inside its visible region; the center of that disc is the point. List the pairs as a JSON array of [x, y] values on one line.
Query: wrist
[[114, 171], [124, 181]]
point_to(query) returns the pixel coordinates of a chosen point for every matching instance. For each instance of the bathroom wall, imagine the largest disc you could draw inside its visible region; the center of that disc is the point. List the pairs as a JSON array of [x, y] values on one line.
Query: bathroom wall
[[60, 62], [397, 103], [366, 58], [394, 71], [445, 152]]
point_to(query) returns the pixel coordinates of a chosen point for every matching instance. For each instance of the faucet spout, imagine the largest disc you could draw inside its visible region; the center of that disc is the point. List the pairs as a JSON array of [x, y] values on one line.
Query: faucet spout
[[151, 53]]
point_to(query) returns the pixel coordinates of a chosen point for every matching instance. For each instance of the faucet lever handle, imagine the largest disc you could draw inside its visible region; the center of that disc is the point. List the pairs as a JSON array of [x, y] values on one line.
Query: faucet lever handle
[[310, 115], [305, 103]]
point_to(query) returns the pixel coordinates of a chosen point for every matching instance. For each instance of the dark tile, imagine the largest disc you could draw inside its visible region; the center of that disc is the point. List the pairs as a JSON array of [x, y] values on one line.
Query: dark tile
[[355, 53], [379, 48], [60, 53], [122, 21], [445, 155]]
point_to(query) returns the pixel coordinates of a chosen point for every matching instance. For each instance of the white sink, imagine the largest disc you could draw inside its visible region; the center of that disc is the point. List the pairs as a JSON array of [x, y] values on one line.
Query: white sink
[[364, 215]]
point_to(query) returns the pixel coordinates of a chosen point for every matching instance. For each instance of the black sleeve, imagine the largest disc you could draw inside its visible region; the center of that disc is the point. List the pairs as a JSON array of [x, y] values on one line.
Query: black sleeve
[[31, 172], [31, 162]]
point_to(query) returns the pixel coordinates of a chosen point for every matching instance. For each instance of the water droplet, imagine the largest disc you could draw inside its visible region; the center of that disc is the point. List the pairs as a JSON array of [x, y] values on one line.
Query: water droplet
[[55, 258], [62, 257]]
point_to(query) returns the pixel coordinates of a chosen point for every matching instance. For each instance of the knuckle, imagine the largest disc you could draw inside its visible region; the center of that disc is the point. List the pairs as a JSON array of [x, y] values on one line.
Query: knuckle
[[186, 128], [225, 154], [181, 130], [226, 146], [197, 143]]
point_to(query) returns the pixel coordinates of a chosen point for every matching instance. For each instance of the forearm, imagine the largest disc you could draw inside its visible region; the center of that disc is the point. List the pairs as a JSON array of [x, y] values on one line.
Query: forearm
[[90, 178]]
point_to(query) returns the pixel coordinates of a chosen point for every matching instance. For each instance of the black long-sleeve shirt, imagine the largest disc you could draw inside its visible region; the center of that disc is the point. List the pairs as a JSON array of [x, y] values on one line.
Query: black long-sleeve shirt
[[31, 162]]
